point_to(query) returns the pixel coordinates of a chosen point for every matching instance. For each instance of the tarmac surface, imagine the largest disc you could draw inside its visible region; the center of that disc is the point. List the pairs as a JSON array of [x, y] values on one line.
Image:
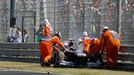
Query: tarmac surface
[[15, 72]]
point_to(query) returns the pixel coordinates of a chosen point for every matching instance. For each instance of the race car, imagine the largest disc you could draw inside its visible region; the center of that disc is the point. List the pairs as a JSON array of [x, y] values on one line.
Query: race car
[[73, 57]]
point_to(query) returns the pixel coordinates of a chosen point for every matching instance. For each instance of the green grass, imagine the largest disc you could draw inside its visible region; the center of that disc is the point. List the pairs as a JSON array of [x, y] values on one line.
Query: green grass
[[77, 71]]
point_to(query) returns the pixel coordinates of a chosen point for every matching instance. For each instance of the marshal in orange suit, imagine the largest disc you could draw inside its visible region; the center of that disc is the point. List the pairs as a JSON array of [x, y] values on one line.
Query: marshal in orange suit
[[47, 29], [110, 40], [87, 41], [46, 48]]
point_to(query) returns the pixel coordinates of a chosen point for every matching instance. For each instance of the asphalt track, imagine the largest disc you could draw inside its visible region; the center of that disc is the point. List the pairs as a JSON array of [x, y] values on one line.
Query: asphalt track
[[13, 72]]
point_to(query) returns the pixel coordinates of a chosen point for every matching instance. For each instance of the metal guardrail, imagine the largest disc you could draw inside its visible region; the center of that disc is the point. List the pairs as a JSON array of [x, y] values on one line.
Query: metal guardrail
[[19, 45], [126, 57], [24, 52], [29, 52]]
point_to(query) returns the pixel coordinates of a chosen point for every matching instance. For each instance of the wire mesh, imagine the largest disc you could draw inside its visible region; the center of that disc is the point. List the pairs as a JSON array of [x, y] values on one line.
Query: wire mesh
[[72, 17]]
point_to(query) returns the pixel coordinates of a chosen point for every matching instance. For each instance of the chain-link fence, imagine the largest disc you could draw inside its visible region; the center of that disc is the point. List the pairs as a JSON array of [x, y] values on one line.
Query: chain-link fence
[[72, 17], [127, 21], [4, 21], [25, 19]]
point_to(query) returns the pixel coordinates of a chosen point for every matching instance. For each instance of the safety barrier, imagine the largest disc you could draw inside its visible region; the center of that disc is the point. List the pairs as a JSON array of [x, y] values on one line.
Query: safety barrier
[[29, 52], [24, 52], [126, 57]]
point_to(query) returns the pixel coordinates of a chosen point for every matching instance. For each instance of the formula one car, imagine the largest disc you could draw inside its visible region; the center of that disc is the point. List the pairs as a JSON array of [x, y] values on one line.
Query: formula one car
[[72, 57]]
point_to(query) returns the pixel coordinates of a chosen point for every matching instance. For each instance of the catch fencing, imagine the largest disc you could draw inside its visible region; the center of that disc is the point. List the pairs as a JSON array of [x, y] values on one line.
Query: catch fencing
[[72, 17]]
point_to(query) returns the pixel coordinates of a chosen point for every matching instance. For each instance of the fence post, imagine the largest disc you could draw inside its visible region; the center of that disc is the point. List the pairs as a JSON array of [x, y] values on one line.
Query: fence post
[[119, 16], [83, 15], [54, 16], [22, 28], [12, 13], [34, 24]]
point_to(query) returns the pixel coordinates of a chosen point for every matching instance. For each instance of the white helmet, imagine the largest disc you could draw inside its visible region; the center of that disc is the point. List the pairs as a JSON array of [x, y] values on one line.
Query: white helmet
[[85, 33], [95, 38], [80, 40], [46, 21], [106, 27]]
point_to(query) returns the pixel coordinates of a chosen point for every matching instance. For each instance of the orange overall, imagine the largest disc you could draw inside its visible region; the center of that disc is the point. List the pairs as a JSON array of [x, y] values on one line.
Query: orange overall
[[46, 48], [47, 30], [87, 43], [111, 42], [95, 47]]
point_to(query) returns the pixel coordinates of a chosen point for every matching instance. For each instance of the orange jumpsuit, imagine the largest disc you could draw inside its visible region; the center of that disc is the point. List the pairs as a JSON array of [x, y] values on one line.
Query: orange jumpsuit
[[46, 48], [111, 42], [95, 47], [94, 50], [87, 43], [47, 30]]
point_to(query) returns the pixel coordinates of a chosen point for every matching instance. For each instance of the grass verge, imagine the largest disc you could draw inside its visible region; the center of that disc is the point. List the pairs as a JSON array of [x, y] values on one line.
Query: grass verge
[[77, 71]]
